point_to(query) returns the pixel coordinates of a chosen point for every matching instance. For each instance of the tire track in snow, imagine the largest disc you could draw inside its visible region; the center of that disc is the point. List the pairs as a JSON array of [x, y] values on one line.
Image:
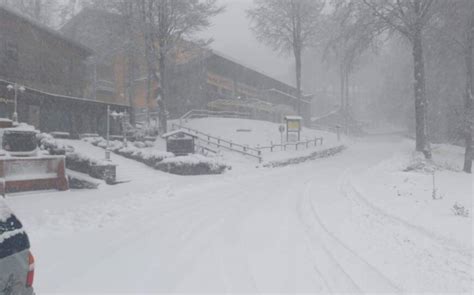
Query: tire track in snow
[[335, 277], [360, 275], [358, 197], [440, 266]]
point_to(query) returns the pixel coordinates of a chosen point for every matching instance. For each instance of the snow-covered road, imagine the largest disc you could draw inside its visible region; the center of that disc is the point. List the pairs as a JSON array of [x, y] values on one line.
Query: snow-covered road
[[301, 228]]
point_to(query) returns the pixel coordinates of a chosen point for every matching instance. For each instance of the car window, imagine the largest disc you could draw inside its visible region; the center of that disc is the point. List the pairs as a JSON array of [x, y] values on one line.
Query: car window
[[13, 239]]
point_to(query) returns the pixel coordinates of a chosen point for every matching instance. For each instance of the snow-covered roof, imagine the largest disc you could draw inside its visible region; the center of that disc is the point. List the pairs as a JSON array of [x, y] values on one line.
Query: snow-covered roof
[[57, 35], [178, 131], [299, 118]]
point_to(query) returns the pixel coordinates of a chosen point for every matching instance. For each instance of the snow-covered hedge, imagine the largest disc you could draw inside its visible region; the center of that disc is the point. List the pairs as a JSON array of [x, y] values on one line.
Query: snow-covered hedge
[[48, 143], [135, 151], [160, 160], [315, 155], [148, 157], [192, 165], [76, 161]]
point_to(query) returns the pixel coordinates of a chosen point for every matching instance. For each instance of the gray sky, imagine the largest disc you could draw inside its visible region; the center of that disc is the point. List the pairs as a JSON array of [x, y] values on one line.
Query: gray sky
[[233, 38]]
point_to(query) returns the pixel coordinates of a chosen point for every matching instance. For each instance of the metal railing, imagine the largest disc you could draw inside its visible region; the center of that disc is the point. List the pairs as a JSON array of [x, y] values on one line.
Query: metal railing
[[283, 147], [207, 113], [223, 143]]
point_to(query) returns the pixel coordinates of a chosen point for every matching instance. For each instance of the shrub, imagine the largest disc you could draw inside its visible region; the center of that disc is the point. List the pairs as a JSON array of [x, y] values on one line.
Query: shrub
[[48, 143], [460, 210], [191, 165]]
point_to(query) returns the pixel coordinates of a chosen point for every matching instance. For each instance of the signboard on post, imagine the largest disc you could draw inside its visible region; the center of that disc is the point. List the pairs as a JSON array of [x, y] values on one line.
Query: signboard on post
[[293, 126]]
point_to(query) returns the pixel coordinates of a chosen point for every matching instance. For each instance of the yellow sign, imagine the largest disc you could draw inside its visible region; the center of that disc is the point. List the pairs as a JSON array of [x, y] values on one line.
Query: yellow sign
[[294, 125]]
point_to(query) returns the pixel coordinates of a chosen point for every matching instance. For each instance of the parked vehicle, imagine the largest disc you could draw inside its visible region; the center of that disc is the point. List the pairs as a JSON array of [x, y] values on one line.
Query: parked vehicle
[[17, 266]]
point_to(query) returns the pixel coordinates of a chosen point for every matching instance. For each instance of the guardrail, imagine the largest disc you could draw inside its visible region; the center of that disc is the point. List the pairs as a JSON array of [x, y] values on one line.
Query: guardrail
[[223, 143], [284, 146]]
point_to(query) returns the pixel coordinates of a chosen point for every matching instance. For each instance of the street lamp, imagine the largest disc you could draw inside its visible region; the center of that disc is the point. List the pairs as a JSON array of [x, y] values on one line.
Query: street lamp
[[116, 116], [16, 87]]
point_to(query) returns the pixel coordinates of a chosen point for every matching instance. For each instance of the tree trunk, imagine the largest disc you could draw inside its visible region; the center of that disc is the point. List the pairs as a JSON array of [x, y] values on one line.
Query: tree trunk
[[468, 102], [298, 78], [37, 10], [420, 95], [343, 87], [347, 108], [130, 85], [162, 101]]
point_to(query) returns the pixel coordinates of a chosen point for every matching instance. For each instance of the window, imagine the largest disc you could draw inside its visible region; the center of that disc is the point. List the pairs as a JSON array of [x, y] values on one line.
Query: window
[[11, 51]]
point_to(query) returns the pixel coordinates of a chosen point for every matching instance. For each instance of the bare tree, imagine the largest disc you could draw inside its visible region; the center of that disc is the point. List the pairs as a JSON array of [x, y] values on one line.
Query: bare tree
[[349, 31], [164, 23], [457, 28], [410, 18], [42, 11], [288, 26]]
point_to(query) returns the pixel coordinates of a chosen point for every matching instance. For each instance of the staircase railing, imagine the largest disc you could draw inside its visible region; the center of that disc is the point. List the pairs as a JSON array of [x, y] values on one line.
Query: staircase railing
[[223, 143]]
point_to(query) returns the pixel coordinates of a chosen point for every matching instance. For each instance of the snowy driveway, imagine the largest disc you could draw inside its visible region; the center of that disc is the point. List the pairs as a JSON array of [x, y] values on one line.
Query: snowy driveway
[[295, 229]]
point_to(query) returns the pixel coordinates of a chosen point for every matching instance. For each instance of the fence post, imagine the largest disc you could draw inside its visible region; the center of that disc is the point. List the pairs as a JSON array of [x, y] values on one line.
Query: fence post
[[230, 143], [271, 146]]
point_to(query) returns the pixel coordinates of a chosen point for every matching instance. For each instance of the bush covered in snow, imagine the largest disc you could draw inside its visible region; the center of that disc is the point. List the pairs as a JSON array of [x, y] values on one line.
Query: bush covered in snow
[[48, 143], [148, 157], [460, 210], [135, 151], [161, 160], [192, 165], [76, 161], [99, 169]]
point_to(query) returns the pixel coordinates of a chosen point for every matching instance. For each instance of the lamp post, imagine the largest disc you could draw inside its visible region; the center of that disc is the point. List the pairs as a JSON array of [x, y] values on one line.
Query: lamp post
[[107, 148], [116, 116], [16, 87]]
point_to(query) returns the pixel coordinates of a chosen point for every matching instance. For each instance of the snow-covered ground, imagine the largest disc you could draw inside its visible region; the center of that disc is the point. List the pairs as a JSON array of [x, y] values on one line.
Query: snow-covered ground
[[312, 227], [256, 133]]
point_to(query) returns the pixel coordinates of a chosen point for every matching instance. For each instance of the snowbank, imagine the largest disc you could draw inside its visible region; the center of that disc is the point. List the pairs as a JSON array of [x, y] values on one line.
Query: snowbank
[[423, 193], [305, 156]]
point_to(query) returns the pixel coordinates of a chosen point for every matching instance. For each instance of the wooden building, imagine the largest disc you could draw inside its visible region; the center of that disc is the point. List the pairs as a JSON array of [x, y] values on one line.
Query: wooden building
[[53, 70], [199, 78]]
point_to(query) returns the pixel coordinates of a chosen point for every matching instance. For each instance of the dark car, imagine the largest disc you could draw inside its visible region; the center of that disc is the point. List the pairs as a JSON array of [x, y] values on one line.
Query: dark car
[[16, 261]]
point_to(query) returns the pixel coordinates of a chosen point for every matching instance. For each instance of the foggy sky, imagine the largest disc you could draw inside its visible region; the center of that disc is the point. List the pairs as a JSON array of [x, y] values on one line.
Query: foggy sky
[[232, 37]]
